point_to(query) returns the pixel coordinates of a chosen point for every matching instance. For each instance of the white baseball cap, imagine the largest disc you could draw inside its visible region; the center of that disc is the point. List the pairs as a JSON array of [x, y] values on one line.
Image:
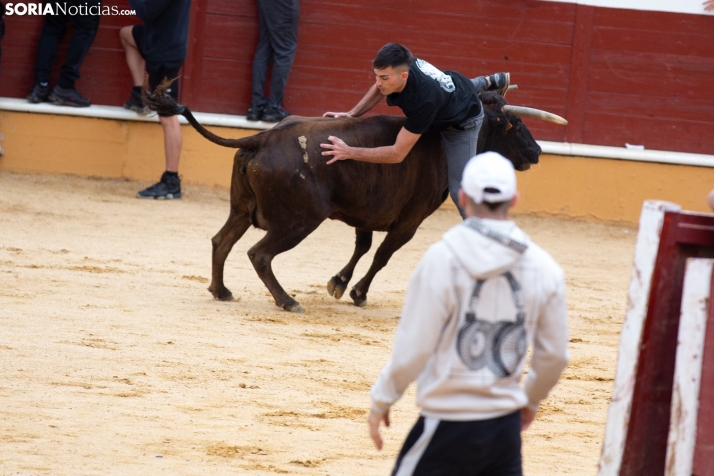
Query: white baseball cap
[[489, 177]]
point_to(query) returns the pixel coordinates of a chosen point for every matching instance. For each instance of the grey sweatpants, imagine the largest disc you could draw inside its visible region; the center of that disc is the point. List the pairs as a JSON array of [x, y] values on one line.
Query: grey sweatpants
[[460, 144]]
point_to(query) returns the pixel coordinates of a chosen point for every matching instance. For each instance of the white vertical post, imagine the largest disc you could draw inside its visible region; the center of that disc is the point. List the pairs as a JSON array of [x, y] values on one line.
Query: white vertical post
[[688, 367], [638, 293]]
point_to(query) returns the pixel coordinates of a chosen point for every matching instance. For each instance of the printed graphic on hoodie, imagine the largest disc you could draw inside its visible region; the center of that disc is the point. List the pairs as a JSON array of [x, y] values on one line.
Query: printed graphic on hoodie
[[498, 346], [445, 81]]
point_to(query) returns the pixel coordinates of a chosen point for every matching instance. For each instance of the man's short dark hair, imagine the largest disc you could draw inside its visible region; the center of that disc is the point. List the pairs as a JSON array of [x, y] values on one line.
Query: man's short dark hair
[[495, 206], [392, 55]]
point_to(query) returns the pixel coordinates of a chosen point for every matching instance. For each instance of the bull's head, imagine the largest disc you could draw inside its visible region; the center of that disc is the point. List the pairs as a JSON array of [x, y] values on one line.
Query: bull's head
[[504, 132]]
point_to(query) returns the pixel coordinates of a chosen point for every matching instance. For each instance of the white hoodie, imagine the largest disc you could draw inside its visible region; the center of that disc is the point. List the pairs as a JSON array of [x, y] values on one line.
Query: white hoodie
[[469, 367]]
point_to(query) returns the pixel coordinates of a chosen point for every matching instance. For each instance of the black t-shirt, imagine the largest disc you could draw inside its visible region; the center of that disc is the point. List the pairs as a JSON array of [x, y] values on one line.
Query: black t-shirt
[[435, 99]]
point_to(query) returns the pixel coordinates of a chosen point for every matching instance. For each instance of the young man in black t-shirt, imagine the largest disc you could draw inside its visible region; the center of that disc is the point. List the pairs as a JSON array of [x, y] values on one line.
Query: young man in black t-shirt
[[445, 101], [158, 47]]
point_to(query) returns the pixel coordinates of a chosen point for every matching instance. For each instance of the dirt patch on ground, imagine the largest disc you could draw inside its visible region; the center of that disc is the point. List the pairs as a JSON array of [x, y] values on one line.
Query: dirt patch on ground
[[116, 360]]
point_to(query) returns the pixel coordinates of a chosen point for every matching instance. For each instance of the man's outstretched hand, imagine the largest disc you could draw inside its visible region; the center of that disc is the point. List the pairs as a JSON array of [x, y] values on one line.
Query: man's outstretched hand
[[337, 149], [337, 114]]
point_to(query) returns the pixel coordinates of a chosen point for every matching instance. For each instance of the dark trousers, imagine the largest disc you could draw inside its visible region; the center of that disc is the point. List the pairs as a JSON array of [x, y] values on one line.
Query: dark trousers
[[277, 45], [462, 448], [85, 28]]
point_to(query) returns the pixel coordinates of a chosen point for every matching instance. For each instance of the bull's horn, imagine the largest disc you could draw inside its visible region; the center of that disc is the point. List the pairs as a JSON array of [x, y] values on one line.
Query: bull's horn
[[529, 111], [512, 87]]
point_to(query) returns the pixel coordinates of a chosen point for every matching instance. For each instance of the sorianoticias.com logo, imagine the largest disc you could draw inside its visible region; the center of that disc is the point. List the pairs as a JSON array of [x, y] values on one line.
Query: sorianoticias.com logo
[[61, 8]]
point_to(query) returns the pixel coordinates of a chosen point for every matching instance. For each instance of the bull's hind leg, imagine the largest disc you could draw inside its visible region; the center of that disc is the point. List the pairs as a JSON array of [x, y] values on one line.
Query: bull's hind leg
[[337, 285], [223, 242], [276, 241], [395, 239]]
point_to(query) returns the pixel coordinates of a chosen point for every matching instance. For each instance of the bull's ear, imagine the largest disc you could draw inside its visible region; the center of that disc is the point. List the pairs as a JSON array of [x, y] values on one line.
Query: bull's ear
[[509, 125]]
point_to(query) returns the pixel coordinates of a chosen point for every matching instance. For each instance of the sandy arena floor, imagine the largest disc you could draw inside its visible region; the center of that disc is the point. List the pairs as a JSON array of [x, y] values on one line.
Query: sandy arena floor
[[116, 360]]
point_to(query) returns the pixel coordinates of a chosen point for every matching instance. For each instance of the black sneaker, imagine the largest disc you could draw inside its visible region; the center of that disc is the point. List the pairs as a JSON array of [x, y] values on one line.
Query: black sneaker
[[68, 97], [169, 188], [500, 82], [254, 113], [39, 94], [275, 114], [136, 103]]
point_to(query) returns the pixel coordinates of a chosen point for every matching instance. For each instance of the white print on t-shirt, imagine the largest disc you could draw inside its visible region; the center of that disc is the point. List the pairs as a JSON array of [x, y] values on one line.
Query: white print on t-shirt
[[445, 81]]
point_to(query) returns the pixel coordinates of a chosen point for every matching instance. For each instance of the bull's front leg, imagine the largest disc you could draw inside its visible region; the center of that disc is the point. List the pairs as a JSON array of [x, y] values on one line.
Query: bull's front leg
[[223, 242], [337, 285], [394, 240]]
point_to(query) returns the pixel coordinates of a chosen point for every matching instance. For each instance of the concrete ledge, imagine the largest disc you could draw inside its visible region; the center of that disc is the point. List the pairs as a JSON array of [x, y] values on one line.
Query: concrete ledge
[[622, 153], [121, 114]]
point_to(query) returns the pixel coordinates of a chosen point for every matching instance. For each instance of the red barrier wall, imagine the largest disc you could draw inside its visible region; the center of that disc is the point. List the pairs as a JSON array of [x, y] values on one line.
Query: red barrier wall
[[618, 75]]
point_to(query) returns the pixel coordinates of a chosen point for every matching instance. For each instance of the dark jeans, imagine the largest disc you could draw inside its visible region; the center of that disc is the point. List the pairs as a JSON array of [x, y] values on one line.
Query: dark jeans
[[85, 28], [277, 45], [462, 448]]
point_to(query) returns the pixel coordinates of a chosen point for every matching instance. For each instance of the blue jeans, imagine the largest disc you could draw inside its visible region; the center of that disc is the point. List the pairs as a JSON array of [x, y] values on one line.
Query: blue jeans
[[460, 145]]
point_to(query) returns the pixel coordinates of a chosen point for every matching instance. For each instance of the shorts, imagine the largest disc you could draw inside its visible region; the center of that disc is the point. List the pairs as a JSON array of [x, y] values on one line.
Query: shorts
[[462, 448], [158, 71]]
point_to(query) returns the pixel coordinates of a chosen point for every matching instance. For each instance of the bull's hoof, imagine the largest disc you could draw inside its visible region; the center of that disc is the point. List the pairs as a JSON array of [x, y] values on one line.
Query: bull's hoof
[[222, 295], [294, 308], [336, 287], [359, 299]]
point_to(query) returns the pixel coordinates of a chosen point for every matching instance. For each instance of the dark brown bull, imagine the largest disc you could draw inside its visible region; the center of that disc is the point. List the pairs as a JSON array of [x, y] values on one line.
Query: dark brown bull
[[281, 184]]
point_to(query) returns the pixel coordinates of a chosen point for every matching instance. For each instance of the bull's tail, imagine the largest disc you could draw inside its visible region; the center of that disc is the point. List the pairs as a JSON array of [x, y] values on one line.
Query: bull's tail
[[160, 102]]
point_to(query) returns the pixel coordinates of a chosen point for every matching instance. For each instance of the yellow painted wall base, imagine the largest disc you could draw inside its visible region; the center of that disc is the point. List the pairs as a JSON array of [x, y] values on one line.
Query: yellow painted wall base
[[45, 143], [583, 188]]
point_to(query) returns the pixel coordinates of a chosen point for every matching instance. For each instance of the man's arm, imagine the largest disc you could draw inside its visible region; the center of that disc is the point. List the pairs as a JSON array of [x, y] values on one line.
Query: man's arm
[[389, 154], [427, 307], [371, 99], [550, 346]]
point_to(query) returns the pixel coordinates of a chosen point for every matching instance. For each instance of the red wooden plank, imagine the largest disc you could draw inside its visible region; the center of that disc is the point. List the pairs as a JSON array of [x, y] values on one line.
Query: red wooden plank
[[641, 105], [579, 69], [441, 44], [665, 22], [190, 88], [225, 69], [683, 236], [643, 74], [231, 7], [653, 41], [674, 144], [482, 9], [457, 25], [231, 37], [703, 461], [645, 126]]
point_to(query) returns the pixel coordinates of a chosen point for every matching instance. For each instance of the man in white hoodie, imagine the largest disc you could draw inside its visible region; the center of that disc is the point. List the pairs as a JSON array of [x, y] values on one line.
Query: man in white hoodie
[[477, 300]]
